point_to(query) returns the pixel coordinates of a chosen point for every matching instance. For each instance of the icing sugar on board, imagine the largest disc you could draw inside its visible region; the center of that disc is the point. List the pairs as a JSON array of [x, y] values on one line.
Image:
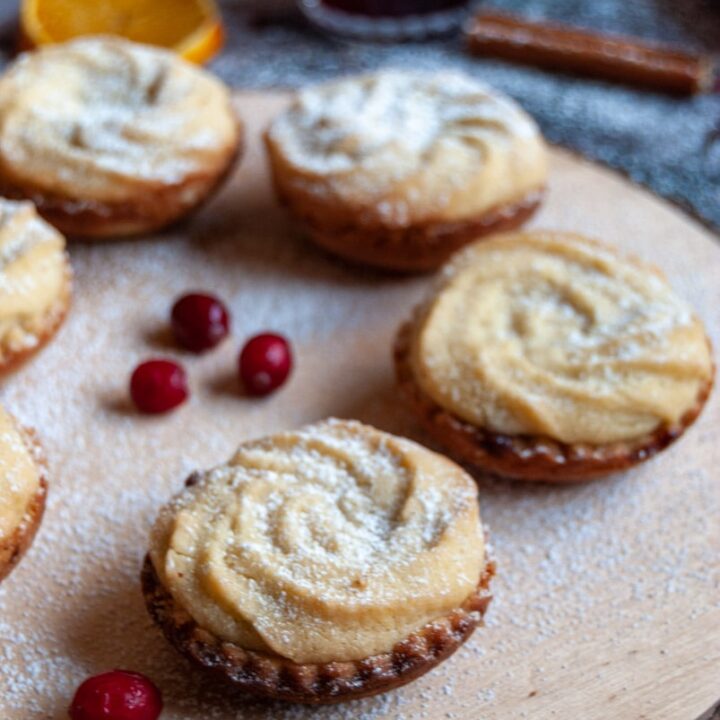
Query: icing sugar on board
[[606, 602]]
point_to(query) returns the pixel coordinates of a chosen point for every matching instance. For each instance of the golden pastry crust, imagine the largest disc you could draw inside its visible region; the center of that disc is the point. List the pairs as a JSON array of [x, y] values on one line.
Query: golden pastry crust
[[324, 543], [274, 677], [524, 457], [138, 138], [554, 335], [15, 544], [382, 167], [36, 287], [145, 213], [13, 359], [420, 248], [324, 547]]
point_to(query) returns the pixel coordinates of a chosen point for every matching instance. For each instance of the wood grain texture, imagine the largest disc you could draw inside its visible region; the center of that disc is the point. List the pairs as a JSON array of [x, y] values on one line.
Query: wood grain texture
[[606, 599]]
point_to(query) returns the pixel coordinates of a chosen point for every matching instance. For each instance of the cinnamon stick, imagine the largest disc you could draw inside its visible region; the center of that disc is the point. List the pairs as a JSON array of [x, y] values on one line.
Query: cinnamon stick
[[559, 47]]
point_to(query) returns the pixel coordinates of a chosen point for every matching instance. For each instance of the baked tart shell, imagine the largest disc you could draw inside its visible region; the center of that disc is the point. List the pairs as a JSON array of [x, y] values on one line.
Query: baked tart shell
[[527, 457], [12, 360], [152, 209], [415, 248], [278, 678], [16, 545]]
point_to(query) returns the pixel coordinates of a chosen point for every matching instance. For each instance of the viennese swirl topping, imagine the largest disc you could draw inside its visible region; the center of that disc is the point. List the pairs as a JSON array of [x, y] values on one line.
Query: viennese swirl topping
[[34, 275], [19, 476], [408, 147], [331, 543], [552, 334], [97, 118]]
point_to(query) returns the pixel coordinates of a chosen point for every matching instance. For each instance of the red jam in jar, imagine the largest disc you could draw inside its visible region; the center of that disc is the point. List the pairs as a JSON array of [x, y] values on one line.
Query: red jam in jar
[[394, 8], [386, 20]]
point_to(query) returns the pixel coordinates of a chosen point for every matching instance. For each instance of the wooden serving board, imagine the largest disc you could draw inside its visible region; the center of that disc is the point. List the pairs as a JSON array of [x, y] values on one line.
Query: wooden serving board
[[607, 601]]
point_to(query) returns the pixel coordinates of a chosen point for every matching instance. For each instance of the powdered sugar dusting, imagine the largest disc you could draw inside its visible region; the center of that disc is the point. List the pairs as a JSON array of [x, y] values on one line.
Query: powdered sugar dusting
[[343, 539], [397, 148], [96, 117], [34, 277], [604, 591], [375, 119], [554, 334]]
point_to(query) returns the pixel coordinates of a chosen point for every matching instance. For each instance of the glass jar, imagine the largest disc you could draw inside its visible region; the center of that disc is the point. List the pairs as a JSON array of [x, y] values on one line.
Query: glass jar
[[386, 19]]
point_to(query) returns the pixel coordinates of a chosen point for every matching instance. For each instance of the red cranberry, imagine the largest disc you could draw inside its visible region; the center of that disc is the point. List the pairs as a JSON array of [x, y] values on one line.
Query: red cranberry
[[199, 322], [116, 695], [157, 386], [265, 363]]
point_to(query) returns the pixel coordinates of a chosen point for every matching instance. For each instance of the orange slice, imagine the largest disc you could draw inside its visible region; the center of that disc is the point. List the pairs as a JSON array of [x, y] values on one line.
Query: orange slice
[[193, 28]]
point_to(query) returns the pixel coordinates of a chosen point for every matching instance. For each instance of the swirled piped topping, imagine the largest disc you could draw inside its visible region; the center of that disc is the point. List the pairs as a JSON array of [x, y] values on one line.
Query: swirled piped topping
[[97, 118], [554, 335], [34, 275], [405, 147], [19, 476], [331, 543]]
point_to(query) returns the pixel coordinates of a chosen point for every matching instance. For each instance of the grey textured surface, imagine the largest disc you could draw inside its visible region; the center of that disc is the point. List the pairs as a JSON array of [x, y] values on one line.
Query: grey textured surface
[[670, 144]]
